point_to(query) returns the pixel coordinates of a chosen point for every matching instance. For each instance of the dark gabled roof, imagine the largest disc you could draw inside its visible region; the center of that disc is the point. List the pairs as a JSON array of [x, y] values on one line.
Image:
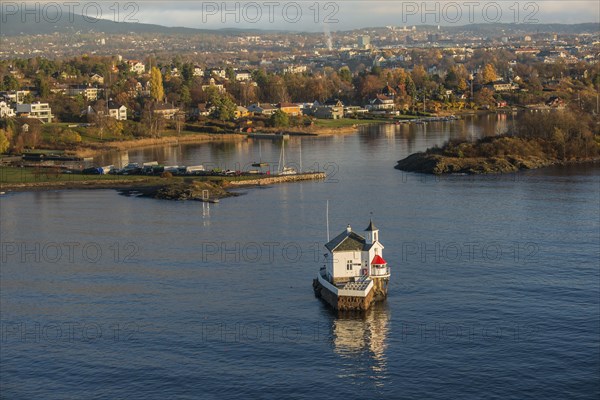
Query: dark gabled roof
[[164, 106], [382, 97], [346, 241], [371, 227], [333, 102], [388, 90], [112, 105]]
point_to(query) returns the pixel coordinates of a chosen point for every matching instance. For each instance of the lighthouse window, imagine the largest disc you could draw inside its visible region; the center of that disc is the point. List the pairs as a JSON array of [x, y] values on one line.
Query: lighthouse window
[[349, 265]]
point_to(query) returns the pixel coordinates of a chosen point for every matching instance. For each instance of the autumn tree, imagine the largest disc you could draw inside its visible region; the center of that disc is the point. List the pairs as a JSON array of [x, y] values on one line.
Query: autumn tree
[[485, 97], [156, 85], [4, 142], [488, 74], [419, 76]]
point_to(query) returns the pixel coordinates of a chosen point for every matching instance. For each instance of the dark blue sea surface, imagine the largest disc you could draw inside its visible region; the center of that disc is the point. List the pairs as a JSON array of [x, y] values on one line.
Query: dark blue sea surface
[[494, 294]]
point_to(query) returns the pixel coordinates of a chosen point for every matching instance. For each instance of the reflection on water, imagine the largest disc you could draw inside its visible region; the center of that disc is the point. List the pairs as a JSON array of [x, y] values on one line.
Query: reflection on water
[[205, 214], [362, 339], [172, 287], [239, 155]]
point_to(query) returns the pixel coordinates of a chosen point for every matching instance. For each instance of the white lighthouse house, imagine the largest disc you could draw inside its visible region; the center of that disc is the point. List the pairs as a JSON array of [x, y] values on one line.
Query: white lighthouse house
[[354, 269], [353, 256]]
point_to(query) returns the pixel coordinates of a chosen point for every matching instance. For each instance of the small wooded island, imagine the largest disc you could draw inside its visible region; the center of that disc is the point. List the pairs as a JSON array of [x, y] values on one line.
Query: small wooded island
[[541, 140]]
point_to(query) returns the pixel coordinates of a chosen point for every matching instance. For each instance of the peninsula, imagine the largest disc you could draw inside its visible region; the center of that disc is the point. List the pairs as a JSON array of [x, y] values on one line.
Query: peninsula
[[555, 138]]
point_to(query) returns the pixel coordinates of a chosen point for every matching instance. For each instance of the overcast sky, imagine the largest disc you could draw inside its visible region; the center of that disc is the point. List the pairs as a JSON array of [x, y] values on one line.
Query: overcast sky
[[349, 14], [316, 15]]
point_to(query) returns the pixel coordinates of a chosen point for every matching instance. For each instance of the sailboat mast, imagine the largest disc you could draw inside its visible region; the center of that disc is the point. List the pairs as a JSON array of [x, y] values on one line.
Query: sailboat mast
[[279, 162], [282, 157], [300, 156], [327, 219]]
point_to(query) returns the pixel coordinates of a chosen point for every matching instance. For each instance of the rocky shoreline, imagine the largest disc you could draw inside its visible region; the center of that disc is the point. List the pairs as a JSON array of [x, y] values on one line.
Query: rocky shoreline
[[437, 164], [208, 192], [164, 188]]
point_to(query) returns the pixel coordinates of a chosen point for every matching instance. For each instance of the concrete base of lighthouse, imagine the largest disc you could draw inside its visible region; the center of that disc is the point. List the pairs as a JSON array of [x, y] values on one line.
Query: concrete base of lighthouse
[[352, 303], [380, 288]]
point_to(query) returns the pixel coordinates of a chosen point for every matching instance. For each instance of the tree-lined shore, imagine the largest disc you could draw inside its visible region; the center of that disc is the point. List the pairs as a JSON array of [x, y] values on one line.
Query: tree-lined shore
[[540, 140]]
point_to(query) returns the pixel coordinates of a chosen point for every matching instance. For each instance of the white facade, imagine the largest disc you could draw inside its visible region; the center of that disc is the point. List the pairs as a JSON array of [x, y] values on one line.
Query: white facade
[[198, 71], [90, 93], [5, 110], [297, 69], [118, 112], [137, 67], [243, 76], [37, 110], [352, 256]]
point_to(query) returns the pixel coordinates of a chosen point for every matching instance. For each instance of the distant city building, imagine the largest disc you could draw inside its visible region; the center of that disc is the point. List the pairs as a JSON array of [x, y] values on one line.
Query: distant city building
[[364, 42]]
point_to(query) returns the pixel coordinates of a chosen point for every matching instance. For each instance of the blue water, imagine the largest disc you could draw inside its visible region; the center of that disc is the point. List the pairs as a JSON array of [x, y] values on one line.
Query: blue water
[[494, 294]]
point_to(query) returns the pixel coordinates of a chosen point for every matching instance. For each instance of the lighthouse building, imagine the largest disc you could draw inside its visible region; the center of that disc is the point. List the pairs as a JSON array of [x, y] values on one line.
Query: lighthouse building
[[355, 275], [354, 257]]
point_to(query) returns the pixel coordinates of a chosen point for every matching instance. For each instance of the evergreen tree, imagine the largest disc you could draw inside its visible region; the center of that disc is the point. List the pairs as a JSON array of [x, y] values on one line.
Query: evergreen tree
[[279, 119]]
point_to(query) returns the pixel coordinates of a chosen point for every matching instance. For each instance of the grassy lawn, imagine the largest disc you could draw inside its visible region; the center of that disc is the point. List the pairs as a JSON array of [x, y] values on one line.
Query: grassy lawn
[[13, 175], [84, 132], [9, 175], [344, 122]]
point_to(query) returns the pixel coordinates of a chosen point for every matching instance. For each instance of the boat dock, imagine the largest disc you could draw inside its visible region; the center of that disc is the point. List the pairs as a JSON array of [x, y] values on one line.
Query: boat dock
[[269, 180], [271, 136]]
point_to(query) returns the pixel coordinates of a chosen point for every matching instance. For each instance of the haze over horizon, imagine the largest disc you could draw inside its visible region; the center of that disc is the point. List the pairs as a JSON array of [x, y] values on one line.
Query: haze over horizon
[[357, 14], [302, 15]]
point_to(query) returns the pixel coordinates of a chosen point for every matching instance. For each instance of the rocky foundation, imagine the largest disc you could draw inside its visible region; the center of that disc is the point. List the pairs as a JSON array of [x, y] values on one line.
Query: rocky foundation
[[351, 303]]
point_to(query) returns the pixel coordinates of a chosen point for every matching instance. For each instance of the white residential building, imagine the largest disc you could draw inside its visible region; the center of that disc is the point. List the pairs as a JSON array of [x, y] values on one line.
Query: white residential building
[[90, 93], [6, 110], [136, 66], [243, 75], [117, 111], [198, 71], [36, 110], [354, 256]]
